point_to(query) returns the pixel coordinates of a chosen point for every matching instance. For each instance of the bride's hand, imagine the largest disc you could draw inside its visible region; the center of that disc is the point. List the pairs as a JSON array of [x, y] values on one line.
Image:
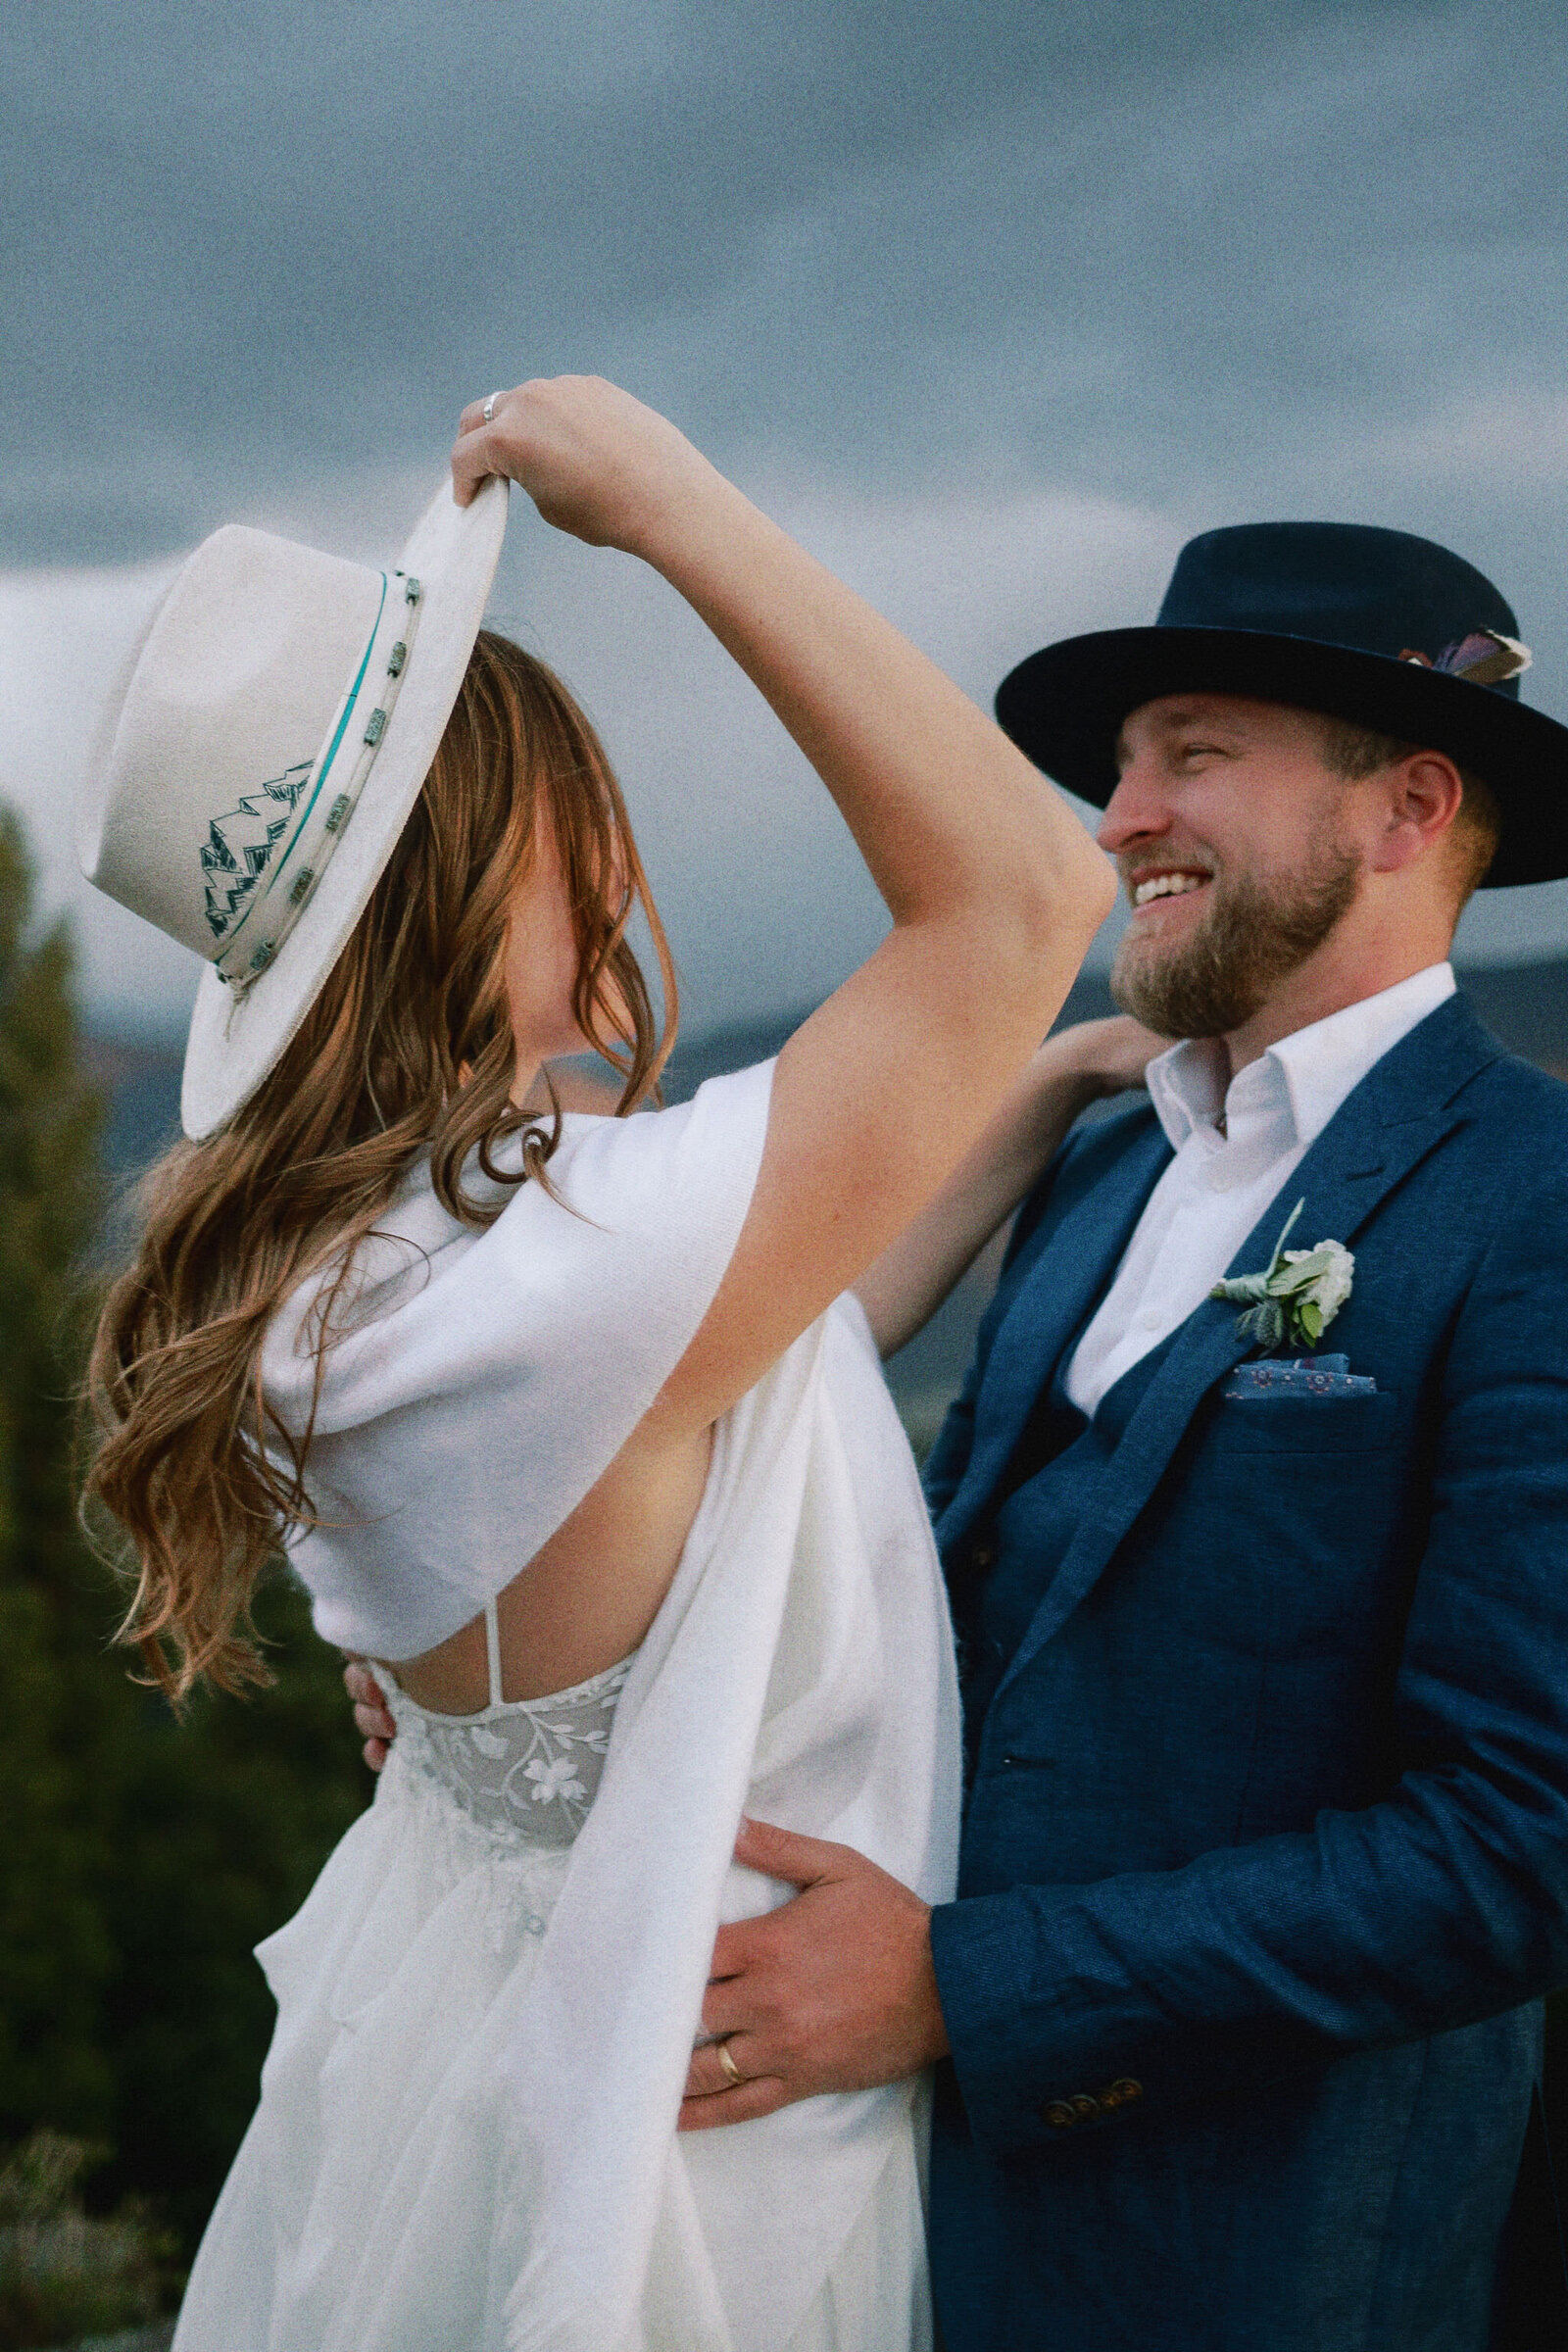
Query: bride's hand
[[375, 1725], [1110, 1056], [595, 461]]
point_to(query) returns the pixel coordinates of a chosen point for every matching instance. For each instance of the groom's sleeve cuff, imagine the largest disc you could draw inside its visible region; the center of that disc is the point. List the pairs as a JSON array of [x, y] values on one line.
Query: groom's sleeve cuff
[[1048, 2040], [1012, 2035]]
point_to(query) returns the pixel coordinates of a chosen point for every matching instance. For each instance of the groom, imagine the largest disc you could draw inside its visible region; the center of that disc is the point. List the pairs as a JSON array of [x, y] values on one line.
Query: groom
[[1265, 1859]]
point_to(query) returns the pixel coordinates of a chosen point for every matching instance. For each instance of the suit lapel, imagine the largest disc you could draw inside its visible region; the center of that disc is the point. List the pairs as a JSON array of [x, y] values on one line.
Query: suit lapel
[[1399, 1113], [1061, 1282]]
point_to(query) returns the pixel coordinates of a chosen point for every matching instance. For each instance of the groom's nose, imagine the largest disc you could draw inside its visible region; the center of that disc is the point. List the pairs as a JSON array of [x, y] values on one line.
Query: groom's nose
[[1139, 809]]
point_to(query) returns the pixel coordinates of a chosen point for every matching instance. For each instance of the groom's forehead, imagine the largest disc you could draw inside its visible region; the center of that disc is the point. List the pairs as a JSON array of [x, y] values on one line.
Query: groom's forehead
[[1234, 715]]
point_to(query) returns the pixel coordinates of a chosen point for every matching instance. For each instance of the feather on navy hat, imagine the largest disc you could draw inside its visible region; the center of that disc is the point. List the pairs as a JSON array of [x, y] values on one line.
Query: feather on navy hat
[[1379, 627]]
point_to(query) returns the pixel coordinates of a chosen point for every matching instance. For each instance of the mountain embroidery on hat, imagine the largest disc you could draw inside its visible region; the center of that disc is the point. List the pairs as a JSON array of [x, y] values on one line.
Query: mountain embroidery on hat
[[239, 845], [1486, 658]]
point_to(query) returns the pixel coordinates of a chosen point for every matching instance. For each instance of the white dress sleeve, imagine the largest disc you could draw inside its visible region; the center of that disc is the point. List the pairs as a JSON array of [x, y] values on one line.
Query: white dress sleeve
[[487, 1379]]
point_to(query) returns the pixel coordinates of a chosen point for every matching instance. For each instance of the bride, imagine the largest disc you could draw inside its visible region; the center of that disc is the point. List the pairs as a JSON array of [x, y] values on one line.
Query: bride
[[565, 1421]]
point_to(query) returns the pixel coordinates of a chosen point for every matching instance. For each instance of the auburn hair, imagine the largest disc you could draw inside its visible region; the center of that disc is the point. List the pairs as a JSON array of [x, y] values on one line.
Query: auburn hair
[[407, 1052]]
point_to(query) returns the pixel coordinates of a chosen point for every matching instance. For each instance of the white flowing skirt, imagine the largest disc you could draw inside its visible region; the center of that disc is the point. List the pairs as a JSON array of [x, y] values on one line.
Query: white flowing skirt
[[366, 2203]]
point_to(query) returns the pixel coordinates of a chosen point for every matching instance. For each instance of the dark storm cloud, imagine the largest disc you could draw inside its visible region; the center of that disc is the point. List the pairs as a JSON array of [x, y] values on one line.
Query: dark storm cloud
[[1135, 247], [993, 301]]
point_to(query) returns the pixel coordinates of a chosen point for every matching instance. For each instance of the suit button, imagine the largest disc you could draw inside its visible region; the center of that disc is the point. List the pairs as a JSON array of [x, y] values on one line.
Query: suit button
[[1059, 2116], [1124, 2091], [1084, 2107], [983, 1556]]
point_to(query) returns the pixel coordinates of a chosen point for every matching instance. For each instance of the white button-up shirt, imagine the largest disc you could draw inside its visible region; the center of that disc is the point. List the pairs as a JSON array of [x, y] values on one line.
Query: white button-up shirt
[[1222, 1179]]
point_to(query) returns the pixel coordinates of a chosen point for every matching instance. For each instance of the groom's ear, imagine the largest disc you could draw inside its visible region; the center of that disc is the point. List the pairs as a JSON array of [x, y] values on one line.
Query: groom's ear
[[1418, 800]]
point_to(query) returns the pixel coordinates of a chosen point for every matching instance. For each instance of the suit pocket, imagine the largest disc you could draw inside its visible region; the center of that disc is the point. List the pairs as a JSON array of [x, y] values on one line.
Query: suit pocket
[[1284, 1425], [1282, 1533]]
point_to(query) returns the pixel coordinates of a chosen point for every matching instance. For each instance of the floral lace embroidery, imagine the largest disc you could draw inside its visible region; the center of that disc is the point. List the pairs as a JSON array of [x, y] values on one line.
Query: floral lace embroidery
[[524, 1773]]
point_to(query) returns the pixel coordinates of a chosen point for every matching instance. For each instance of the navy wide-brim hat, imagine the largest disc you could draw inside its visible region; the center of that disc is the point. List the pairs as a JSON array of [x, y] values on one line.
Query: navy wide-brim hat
[[1388, 632]]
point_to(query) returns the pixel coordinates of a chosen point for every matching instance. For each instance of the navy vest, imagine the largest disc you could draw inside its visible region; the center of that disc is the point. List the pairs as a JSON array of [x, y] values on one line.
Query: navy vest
[[1005, 1569]]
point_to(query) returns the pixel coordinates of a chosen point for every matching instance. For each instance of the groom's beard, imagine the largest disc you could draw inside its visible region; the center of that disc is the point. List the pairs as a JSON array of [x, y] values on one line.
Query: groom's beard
[[1253, 935]]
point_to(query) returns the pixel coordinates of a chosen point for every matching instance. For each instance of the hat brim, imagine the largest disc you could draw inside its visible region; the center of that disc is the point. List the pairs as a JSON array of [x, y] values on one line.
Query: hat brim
[[234, 1041], [1064, 707]]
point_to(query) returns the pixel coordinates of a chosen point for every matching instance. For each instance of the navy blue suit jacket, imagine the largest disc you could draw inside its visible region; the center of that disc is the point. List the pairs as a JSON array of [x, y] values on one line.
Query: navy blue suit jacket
[[1270, 1813]]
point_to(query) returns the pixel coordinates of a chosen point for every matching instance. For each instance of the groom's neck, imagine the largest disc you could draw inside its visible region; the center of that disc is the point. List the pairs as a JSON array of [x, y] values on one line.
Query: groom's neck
[[1354, 963]]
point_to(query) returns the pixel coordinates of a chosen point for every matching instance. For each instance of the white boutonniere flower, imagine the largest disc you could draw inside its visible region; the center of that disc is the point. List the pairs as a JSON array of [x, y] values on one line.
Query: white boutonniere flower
[[1297, 1297]]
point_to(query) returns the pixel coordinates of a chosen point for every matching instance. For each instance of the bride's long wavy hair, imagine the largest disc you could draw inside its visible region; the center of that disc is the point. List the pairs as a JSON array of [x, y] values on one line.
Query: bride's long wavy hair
[[407, 1050]]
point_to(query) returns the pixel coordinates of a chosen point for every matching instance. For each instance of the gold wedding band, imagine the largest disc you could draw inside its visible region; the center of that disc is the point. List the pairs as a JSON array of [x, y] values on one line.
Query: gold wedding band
[[729, 2065]]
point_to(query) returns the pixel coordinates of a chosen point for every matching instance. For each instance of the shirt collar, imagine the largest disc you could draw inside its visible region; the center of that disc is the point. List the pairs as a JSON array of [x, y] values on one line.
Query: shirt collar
[[1187, 1087], [1317, 1067]]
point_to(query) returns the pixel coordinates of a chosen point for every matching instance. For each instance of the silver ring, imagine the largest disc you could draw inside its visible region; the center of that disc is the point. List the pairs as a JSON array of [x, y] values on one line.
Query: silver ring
[[489, 408]]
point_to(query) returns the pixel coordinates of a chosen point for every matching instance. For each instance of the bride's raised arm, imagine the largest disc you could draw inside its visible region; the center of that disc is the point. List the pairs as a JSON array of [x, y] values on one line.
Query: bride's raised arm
[[994, 887]]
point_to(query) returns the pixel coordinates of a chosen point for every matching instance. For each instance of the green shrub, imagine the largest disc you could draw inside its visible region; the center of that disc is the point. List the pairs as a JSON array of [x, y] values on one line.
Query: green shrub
[[141, 1860], [62, 2272]]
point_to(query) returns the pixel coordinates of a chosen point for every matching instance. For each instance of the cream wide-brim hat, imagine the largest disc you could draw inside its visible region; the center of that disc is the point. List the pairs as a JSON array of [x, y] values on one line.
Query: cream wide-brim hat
[[260, 754]]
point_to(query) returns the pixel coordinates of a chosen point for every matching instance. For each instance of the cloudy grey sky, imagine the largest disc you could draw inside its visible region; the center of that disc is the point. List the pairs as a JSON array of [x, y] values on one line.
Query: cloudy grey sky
[[992, 301]]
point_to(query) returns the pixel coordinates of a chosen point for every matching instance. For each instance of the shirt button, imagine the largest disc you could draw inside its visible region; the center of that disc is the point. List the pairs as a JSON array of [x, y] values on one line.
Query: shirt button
[[1150, 1322]]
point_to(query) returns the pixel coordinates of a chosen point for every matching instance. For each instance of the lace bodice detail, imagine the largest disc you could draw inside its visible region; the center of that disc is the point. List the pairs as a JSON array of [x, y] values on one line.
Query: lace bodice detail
[[524, 1771]]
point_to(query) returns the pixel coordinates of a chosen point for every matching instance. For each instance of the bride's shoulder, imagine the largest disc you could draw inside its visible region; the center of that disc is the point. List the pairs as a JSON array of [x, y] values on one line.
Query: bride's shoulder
[[686, 1151]]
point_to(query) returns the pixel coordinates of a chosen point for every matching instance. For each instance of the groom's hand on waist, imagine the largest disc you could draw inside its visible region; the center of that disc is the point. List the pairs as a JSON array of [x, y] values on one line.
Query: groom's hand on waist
[[834, 1990]]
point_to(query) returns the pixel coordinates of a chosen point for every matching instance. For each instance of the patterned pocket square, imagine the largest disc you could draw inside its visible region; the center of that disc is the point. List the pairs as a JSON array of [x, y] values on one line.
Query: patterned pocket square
[[1309, 1376]]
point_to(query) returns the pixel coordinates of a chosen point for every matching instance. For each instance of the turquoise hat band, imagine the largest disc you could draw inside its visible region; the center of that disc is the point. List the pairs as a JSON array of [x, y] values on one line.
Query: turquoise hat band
[[262, 864]]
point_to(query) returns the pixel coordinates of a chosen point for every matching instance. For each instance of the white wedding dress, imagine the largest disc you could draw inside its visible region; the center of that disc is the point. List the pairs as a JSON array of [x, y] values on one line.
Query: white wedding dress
[[466, 2140]]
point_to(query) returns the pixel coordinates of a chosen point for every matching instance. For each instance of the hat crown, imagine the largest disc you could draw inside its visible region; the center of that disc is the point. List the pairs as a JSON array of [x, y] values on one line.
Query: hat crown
[[231, 696], [1340, 583]]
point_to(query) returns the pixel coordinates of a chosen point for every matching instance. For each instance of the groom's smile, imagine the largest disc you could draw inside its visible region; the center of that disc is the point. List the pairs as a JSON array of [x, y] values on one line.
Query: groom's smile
[[1145, 889], [1167, 900]]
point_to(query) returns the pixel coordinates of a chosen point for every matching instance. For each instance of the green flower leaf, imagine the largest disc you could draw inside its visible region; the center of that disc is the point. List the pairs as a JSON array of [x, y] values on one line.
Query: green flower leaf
[[1303, 1269]]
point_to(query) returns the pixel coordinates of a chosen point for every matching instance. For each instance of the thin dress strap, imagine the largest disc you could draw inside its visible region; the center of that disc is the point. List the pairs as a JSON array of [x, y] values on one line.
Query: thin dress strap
[[492, 1649]]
